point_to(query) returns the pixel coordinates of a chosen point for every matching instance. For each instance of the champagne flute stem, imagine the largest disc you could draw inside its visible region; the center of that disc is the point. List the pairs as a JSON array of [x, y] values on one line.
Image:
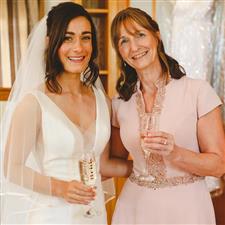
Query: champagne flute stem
[[147, 164]]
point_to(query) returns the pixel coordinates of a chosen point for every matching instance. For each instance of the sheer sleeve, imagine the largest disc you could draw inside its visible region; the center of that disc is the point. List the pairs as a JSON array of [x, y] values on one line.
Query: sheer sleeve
[[23, 148]]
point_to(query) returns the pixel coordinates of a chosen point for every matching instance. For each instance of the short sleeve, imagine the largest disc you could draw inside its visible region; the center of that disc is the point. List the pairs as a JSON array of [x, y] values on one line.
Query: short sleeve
[[207, 99], [115, 105]]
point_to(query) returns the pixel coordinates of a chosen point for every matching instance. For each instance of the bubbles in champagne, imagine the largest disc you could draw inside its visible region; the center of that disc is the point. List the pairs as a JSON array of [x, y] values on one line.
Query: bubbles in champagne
[[88, 169]]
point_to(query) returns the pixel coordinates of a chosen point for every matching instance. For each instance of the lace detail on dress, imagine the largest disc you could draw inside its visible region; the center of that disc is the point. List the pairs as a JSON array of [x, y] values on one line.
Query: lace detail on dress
[[157, 166], [162, 182]]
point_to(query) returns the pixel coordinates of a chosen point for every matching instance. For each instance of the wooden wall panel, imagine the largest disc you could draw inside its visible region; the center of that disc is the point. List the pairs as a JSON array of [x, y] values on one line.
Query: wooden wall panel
[[4, 94], [112, 61]]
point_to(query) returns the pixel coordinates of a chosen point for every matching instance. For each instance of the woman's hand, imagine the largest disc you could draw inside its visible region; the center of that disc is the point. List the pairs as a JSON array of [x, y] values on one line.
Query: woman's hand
[[74, 191], [160, 142]]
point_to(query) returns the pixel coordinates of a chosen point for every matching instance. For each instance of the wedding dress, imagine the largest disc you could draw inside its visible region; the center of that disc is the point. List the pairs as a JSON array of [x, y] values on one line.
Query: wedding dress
[[192, 39], [58, 150]]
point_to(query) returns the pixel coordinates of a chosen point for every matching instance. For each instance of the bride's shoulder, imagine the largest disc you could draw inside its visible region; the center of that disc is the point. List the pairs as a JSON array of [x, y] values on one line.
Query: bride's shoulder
[[29, 103]]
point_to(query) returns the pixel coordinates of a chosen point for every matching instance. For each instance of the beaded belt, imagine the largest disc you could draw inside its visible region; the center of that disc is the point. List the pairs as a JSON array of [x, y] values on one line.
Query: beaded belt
[[161, 182]]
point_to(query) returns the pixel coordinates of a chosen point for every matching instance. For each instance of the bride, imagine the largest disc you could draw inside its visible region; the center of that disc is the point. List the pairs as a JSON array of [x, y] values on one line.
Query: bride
[[57, 111]]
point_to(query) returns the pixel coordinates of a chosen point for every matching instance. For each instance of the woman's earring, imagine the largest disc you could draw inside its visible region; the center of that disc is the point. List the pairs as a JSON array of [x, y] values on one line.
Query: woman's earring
[[123, 80], [124, 64]]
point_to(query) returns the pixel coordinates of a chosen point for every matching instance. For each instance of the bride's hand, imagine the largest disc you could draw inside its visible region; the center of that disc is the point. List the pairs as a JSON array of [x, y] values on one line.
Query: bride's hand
[[160, 142], [73, 191]]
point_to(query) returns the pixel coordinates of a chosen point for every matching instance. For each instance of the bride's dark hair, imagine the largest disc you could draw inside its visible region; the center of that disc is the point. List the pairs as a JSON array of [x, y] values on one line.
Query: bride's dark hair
[[57, 21]]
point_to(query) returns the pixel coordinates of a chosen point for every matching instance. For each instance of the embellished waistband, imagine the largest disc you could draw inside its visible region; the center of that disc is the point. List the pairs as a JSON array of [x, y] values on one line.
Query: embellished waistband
[[164, 182]]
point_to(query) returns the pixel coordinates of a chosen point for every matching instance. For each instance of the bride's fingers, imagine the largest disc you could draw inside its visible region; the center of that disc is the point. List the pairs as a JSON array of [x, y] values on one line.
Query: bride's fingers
[[77, 192], [77, 201], [83, 193], [79, 185], [75, 198]]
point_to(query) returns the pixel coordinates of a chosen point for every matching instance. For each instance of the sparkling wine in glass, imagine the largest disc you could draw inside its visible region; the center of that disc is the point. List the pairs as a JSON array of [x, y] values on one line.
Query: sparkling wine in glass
[[88, 174], [149, 123]]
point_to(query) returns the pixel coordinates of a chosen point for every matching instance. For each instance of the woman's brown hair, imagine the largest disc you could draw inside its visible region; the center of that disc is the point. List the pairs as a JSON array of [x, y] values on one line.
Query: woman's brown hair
[[126, 84], [57, 22]]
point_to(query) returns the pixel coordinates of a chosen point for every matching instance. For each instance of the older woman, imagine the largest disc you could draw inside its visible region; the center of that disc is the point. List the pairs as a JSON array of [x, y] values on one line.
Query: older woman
[[189, 142]]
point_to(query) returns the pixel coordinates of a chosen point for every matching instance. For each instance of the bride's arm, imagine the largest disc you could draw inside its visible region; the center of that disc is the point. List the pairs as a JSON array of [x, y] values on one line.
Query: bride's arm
[[22, 137]]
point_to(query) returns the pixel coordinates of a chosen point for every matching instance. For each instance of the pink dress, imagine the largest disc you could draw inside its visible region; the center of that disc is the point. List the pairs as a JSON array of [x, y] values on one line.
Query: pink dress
[[186, 100]]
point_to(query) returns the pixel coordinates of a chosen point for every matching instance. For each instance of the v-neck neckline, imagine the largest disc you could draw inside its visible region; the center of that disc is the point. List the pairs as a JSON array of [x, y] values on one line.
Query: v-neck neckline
[[72, 124], [158, 99]]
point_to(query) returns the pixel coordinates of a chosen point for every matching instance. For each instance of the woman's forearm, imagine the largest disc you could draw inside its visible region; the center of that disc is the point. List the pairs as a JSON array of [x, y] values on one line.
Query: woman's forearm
[[115, 167], [202, 164]]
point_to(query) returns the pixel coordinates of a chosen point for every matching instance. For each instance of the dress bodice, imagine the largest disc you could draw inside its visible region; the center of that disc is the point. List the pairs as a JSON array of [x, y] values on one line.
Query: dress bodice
[[186, 100], [61, 142], [55, 146]]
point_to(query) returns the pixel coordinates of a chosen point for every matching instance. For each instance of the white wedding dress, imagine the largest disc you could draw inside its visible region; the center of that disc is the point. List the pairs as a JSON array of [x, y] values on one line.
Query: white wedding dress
[[58, 154], [192, 38]]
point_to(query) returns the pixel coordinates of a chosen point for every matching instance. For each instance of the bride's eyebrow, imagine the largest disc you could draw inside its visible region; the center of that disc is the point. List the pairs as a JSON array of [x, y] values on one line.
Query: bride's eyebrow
[[83, 33], [86, 32]]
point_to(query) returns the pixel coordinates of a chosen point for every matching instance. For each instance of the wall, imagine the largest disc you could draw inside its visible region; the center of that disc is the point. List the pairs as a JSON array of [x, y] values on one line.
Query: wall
[[2, 106], [50, 3], [145, 5]]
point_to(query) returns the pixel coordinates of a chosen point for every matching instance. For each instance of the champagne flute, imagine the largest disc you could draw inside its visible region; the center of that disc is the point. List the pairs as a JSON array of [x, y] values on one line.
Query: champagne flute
[[149, 123], [88, 174]]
